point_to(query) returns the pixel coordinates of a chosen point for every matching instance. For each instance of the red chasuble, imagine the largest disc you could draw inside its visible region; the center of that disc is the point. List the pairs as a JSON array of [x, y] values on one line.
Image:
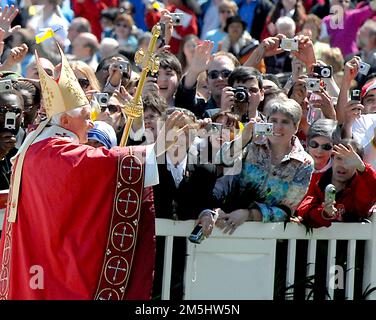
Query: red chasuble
[[83, 231]]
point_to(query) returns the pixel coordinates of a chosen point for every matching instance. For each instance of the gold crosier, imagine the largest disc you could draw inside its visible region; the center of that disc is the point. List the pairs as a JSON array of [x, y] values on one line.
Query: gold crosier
[[148, 62]]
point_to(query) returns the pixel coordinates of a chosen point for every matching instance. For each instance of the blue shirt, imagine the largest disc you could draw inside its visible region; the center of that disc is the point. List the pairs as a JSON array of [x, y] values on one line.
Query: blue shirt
[[247, 12]]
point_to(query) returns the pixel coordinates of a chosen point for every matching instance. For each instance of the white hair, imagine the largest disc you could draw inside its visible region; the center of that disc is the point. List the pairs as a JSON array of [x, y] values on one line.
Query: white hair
[[284, 24], [56, 119]]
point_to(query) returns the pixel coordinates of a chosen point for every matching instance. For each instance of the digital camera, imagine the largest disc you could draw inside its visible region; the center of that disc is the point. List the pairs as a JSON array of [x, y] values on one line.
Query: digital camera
[[263, 129], [102, 98], [289, 44], [214, 127], [196, 235], [323, 72], [364, 68], [10, 121], [240, 94], [313, 84], [5, 85], [177, 18], [355, 95]]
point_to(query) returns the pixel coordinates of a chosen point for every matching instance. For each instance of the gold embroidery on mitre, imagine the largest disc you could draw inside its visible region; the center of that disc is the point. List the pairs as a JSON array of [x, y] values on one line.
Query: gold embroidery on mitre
[[63, 94]]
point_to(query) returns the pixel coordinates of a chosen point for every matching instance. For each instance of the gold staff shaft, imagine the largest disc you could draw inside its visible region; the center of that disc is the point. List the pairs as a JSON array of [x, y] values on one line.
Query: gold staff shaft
[[133, 109]]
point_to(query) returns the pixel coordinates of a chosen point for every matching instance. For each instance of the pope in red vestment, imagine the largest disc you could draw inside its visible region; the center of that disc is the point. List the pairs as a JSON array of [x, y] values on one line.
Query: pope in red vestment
[[56, 248], [80, 221]]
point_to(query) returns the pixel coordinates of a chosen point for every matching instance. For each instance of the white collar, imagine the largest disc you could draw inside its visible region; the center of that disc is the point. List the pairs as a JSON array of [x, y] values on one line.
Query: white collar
[[181, 164], [55, 131]]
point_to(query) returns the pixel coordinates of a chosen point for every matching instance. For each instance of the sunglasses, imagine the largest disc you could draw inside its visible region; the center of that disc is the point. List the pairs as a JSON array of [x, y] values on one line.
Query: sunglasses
[[4, 110], [84, 83], [314, 144], [214, 74], [111, 108]]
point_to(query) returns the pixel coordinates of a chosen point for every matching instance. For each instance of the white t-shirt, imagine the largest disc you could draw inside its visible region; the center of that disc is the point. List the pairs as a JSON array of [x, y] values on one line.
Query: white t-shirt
[[363, 128]]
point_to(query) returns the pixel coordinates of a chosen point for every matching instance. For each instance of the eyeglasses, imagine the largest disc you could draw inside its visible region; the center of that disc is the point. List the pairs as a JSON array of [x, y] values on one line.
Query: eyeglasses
[[112, 108], [84, 83], [214, 74], [4, 109], [314, 144]]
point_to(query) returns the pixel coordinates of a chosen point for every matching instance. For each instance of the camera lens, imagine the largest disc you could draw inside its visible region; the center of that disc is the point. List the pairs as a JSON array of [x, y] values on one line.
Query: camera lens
[[7, 87], [103, 100], [325, 72], [240, 96]]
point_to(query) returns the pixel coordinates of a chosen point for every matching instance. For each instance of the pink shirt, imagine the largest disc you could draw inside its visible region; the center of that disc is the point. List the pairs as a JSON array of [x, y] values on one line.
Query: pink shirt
[[345, 38]]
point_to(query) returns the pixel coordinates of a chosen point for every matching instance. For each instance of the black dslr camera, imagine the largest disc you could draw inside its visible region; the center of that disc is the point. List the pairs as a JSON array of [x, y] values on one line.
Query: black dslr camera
[[240, 94]]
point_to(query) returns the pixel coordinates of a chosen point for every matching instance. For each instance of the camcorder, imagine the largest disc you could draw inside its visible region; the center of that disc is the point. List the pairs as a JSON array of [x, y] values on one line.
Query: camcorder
[[102, 98], [6, 85], [364, 68], [289, 44], [355, 95], [323, 72], [313, 84], [263, 129], [196, 235], [240, 94], [177, 18]]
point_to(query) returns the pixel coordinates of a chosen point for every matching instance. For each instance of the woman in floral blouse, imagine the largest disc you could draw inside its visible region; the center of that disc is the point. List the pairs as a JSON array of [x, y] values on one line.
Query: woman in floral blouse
[[275, 171]]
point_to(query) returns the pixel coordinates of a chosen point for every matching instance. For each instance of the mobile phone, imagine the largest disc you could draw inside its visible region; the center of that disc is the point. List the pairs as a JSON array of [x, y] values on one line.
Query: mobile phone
[[196, 235], [10, 121], [355, 95]]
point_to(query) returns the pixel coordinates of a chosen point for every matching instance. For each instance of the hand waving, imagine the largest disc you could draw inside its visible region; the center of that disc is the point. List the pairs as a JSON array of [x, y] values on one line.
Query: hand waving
[[7, 16]]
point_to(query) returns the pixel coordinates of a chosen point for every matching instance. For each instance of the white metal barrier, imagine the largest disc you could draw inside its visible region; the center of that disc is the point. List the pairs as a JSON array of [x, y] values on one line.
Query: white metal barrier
[[241, 266]]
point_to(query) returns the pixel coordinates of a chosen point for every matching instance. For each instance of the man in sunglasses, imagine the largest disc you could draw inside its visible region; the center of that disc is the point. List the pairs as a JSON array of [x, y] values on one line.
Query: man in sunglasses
[[218, 68], [355, 187], [242, 95]]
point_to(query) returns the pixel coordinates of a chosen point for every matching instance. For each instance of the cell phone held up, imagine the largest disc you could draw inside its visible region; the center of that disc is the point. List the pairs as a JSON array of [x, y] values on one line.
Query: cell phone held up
[[196, 235], [355, 95]]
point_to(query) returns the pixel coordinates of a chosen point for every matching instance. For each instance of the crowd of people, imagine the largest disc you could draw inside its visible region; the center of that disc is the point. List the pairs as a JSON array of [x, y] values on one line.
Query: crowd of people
[[256, 108]]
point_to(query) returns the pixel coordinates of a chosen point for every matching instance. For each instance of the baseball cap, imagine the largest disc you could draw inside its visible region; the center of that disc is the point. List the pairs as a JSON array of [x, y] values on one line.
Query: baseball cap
[[367, 88]]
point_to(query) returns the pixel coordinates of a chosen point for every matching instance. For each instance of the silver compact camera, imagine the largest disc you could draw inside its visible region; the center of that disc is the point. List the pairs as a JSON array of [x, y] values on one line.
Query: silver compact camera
[[364, 68], [177, 18], [323, 72], [263, 129], [102, 98], [313, 84], [10, 121], [290, 44], [6, 85]]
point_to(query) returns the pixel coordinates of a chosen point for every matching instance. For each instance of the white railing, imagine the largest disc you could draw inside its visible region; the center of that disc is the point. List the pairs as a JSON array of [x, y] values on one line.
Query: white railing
[[242, 265]]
